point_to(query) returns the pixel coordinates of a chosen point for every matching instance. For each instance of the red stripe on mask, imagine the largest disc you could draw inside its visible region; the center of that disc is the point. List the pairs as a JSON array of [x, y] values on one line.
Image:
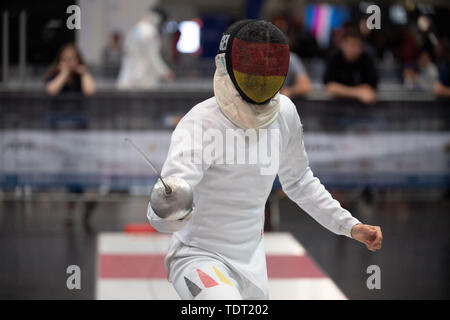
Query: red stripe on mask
[[262, 59]]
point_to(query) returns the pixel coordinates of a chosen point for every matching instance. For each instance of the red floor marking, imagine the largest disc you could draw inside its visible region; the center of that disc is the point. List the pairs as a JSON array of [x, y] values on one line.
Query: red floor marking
[[152, 266], [288, 266], [138, 228], [207, 280], [132, 266]]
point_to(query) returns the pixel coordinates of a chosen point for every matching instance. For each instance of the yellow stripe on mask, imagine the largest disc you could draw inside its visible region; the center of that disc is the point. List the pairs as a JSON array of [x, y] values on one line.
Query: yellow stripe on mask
[[222, 277], [258, 88]]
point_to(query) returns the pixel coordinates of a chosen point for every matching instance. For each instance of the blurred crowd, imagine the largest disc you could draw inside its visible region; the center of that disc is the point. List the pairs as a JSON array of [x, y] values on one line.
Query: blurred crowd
[[138, 61], [355, 52]]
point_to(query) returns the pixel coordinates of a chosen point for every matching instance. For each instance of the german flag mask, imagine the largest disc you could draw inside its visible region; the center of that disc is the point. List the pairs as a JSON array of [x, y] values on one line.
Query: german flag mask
[[257, 59]]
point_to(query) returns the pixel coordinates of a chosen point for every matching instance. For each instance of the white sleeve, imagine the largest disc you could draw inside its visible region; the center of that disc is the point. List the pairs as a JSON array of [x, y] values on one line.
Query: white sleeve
[[184, 160], [154, 55], [300, 185]]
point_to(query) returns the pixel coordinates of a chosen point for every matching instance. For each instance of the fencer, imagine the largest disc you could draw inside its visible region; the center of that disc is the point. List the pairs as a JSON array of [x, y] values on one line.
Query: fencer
[[142, 66], [217, 248]]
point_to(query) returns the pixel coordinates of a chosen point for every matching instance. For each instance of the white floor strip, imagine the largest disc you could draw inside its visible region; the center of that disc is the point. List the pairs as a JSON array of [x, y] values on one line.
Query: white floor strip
[[156, 243], [156, 289], [133, 243]]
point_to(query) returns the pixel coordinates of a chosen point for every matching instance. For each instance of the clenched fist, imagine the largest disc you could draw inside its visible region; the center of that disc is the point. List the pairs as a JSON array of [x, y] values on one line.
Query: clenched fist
[[369, 235]]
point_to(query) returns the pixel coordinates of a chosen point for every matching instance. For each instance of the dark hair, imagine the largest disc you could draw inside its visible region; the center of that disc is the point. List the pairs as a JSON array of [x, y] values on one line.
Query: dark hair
[[351, 33], [160, 11], [54, 67]]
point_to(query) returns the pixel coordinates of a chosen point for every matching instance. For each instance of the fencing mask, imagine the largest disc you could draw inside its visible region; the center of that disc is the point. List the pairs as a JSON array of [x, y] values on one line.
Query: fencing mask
[[257, 59]]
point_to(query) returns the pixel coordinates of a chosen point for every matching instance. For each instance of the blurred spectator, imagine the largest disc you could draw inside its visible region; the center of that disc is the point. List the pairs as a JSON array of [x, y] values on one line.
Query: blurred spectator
[[422, 77], [441, 87], [427, 35], [428, 72], [68, 73], [112, 55], [142, 66], [409, 76], [350, 73], [297, 82], [301, 40], [408, 50]]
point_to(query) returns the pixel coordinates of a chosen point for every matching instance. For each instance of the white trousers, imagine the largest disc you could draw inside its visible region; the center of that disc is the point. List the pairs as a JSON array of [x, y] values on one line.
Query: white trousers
[[197, 277]]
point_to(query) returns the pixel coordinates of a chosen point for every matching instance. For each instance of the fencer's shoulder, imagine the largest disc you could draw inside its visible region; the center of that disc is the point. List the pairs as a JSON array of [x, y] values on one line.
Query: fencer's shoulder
[[288, 110], [286, 105], [204, 111]]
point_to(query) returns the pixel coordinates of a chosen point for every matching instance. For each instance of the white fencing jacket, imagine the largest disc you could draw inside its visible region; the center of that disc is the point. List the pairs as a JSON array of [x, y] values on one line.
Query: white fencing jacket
[[228, 219]]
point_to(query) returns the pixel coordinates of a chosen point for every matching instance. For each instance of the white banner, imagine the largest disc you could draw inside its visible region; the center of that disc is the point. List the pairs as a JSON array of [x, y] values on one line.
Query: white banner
[[100, 156], [396, 152], [102, 153]]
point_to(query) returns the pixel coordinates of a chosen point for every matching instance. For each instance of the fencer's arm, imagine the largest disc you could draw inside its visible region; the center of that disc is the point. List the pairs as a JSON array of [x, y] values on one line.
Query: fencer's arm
[[300, 185], [183, 161]]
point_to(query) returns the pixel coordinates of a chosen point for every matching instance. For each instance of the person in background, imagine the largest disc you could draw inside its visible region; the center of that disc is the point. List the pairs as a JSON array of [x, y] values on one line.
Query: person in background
[[142, 66], [424, 75], [409, 76], [351, 73], [68, 73], [441, 86], [112, 55], [297, 82], [428, 72]]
